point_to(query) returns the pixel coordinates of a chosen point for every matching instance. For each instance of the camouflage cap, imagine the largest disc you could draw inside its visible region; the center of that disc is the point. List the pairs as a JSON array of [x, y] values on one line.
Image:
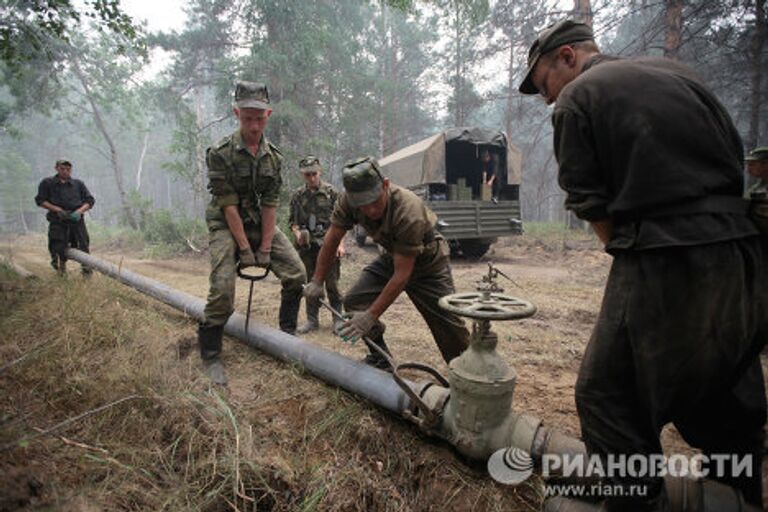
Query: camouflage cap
[[310, 163], [63, 162], [552, 37], [757, 154], [251, 95], [363, 181]]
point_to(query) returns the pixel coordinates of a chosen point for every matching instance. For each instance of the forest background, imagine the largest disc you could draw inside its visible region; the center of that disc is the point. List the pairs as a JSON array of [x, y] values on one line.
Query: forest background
[[135, 110]]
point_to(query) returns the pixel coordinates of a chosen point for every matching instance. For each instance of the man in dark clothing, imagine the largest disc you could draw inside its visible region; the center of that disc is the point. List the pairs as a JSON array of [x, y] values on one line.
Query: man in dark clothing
[[66, 199], [653, 161]]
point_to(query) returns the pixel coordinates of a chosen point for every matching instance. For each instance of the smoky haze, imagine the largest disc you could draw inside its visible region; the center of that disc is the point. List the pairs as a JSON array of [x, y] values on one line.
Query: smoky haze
[[135, 110]]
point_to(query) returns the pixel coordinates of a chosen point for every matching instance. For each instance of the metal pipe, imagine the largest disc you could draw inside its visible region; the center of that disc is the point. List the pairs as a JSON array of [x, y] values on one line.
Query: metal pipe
[[356, 377]]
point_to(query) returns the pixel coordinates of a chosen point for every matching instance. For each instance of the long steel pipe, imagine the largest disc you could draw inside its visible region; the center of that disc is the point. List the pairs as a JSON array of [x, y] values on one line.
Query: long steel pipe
[[525, 432], [356, 377]]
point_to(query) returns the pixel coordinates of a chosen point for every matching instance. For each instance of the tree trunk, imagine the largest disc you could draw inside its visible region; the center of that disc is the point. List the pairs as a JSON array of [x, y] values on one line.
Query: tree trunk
[[140, 167], [114, 158], [756, 78], [674, 34]]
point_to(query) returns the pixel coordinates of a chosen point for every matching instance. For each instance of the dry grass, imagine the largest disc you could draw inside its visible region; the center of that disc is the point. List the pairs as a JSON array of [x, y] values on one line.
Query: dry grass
[[277, 440]]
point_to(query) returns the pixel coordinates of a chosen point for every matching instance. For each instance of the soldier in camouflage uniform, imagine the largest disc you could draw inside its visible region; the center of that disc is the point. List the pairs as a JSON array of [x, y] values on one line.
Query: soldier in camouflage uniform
[[415, 261], [310, 218], [244, 181]]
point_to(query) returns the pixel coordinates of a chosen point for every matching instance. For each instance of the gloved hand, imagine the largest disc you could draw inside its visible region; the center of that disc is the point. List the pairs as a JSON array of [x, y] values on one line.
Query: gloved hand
[[262, 259], [313, 291], [75, 216], [247, 259], [359, 325], [62, 215]]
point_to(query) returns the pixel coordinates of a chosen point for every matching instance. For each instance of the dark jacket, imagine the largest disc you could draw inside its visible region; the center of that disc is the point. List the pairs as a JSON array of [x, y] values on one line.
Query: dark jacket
[[637, 137]]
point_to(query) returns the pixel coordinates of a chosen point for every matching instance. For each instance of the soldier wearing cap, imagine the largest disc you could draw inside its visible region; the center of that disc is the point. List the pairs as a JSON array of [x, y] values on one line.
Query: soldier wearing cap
[[415, 260], [66, 199], [310, 218], [244, 180], [652, 160]]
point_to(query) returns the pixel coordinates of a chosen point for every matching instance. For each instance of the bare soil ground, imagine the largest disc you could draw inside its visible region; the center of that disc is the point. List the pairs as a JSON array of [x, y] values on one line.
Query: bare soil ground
[[276, 439]]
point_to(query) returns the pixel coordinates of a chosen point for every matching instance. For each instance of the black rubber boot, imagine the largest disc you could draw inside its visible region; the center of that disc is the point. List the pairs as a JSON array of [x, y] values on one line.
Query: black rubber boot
[[209, 337], [338, 323], [289, 311], [377, 360], [312, 323]]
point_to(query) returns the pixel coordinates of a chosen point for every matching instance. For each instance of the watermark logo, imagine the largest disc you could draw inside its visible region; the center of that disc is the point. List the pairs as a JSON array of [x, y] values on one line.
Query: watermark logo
[[510, 466]]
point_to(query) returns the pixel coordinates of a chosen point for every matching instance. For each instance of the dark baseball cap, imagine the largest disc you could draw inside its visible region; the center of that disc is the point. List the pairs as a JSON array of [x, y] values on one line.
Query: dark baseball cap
[[552, 37], [756, 154], [63, 162], [363, 181], [251, 95], [310, 163]]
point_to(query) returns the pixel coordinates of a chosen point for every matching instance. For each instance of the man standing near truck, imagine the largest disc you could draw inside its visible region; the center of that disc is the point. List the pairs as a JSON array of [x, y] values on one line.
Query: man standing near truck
[[310, 218]]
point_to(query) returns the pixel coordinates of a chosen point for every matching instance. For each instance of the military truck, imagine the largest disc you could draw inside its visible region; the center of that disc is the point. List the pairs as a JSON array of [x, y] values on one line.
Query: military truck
[[451, 171]]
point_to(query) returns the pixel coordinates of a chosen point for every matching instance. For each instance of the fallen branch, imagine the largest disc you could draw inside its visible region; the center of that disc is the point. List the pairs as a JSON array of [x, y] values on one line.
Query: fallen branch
[[59, 426]]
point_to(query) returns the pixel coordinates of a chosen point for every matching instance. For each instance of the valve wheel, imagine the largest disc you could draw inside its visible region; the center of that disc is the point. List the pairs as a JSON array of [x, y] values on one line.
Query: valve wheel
[[487, 306]]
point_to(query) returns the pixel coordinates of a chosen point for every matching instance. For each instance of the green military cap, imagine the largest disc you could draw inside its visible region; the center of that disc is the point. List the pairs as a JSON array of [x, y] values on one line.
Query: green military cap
[[362, 180], [63, 162], [756, 154], [552, 37], [310, 163], [251, 95]]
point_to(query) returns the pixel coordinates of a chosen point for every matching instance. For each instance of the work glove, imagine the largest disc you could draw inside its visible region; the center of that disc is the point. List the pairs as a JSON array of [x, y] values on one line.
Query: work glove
[[263, 259], [62, 215], [359, 324], [75, 216], [313, 291], [247, 259]]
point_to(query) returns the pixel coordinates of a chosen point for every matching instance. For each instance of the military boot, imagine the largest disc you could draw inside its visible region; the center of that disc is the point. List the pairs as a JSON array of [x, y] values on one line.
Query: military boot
[[377, 360], [312, 323], [289, 311], [209, 337], [338, 323]]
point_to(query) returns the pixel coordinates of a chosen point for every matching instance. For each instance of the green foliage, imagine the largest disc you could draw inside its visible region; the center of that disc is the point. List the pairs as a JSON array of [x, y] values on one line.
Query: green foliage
[[35, 38], [160, 227]]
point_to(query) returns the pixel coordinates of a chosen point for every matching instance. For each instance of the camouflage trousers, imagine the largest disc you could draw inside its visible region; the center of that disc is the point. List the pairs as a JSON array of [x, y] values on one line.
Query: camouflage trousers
[[285, 264], [424, 289], [309, 257]]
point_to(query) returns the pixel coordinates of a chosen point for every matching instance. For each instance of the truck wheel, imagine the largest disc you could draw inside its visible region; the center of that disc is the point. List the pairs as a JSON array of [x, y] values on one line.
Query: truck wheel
[[474, 249]]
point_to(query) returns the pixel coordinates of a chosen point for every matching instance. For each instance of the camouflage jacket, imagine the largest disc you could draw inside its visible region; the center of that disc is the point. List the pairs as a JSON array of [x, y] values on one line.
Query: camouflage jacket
[[311, 209], [237, 177]]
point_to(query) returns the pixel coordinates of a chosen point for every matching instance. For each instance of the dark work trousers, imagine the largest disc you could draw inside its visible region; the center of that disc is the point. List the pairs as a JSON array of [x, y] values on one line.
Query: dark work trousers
[[424, 289], [63, 235], [678, 340]]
